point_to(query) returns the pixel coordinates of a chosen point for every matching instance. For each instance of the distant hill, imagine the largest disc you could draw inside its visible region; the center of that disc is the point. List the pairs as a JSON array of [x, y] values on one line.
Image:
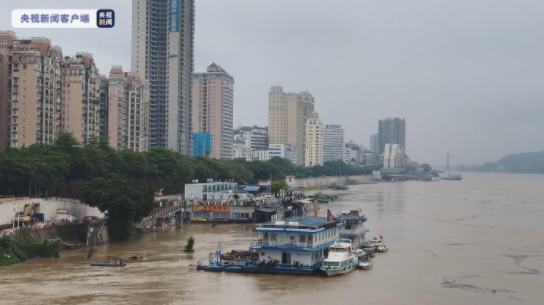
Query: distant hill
[[529, 162]]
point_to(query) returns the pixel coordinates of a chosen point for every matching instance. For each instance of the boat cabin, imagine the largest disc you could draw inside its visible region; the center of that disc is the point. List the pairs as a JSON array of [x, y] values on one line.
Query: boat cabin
[[353, 228], [296, 240], [340, 254]]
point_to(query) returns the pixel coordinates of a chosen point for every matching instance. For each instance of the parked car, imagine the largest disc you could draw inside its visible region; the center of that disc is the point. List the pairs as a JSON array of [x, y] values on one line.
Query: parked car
[[89, 218]]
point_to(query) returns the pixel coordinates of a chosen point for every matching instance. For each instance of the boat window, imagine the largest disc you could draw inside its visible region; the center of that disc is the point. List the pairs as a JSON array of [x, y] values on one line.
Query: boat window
[[273, 236], [265, 235], [302, 238], [331, 264]]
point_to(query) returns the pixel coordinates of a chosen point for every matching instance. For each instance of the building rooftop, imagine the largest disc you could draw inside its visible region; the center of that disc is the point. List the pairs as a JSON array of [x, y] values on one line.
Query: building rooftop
[[353, 218], [215, 68], [267, 209], [276, 84]]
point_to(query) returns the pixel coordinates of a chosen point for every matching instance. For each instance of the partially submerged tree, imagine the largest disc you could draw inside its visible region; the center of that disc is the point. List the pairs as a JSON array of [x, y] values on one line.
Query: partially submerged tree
[[190, 245]]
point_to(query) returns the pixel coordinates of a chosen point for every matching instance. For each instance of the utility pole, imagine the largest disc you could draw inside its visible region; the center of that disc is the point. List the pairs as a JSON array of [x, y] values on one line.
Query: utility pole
[[448, 162]]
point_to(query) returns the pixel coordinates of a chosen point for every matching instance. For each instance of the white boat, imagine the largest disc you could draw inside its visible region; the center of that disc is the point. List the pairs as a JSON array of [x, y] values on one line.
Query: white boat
[[382, 248], [359, 253], [375, 241], [341, 258], [365, 264]]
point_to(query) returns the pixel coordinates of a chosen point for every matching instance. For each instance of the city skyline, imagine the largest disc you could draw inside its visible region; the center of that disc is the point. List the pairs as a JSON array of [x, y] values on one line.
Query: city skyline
[[433, 88]]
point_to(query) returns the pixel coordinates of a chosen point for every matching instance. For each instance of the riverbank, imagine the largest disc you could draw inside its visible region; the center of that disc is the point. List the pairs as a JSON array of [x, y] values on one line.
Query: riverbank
[[326, 181]]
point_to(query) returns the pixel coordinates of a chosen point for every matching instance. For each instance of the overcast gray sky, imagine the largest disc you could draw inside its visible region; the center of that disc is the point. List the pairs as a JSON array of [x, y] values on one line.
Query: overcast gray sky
[[466, 74]]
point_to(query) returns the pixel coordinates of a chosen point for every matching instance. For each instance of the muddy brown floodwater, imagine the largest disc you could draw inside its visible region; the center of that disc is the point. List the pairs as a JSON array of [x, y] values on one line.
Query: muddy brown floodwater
[[475, 241]]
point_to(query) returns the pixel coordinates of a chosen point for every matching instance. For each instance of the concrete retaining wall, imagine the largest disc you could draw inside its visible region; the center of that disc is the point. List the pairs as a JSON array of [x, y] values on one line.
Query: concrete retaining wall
[[326, 181], [73, 233], [8, 208]]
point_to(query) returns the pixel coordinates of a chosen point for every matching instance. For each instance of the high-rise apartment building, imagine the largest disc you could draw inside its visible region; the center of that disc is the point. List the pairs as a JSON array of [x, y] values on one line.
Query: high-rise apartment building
[[43, 93], [374, 143], [287, 115], [213, 108], [125, 110], [333, 143], [80, 103], [103, 88], [392, 131], [314, 140], [30, 90], [162, 53]]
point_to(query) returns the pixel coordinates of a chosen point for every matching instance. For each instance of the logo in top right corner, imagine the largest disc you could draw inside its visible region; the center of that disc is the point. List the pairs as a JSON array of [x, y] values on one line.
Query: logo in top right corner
[[105, 18]]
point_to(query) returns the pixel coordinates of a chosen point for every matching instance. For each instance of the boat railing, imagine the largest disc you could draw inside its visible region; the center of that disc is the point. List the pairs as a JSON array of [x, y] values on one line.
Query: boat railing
[[267, 243]]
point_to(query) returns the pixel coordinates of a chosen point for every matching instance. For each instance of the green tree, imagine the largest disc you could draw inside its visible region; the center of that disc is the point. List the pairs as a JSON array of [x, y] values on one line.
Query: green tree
[[279, 185], [190, 245], [123, 201], [425, 167]]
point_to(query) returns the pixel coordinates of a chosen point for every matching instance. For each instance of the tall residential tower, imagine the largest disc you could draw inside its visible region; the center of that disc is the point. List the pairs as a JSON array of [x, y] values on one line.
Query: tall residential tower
[[43, 92], [374, 143], [213, 109], [392, 131], [287, 115], [333, 143], [314, 140], [126, 110], [162, 53]]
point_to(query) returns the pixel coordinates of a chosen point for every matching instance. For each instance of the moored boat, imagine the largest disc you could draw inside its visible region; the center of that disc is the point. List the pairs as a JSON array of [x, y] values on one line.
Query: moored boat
[[382, 248], [341, 258], [234, 269], [215, 262], [295, 245], [353, 226], [365, 264], [107, 265], [375, 241], [214, 267]]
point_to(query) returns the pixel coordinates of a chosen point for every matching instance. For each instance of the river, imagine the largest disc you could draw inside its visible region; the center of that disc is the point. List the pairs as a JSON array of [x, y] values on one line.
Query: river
[[475, 241]]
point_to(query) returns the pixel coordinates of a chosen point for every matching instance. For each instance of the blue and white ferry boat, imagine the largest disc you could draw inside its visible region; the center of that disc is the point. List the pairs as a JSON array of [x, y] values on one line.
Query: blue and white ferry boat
[[296, 245]]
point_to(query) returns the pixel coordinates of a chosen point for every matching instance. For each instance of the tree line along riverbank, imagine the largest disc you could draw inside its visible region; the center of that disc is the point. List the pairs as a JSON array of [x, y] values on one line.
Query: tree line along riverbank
[[123, 182]]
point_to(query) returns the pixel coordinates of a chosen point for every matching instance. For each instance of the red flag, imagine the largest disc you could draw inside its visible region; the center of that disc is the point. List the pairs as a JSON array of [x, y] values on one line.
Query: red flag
[[381, 237]]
